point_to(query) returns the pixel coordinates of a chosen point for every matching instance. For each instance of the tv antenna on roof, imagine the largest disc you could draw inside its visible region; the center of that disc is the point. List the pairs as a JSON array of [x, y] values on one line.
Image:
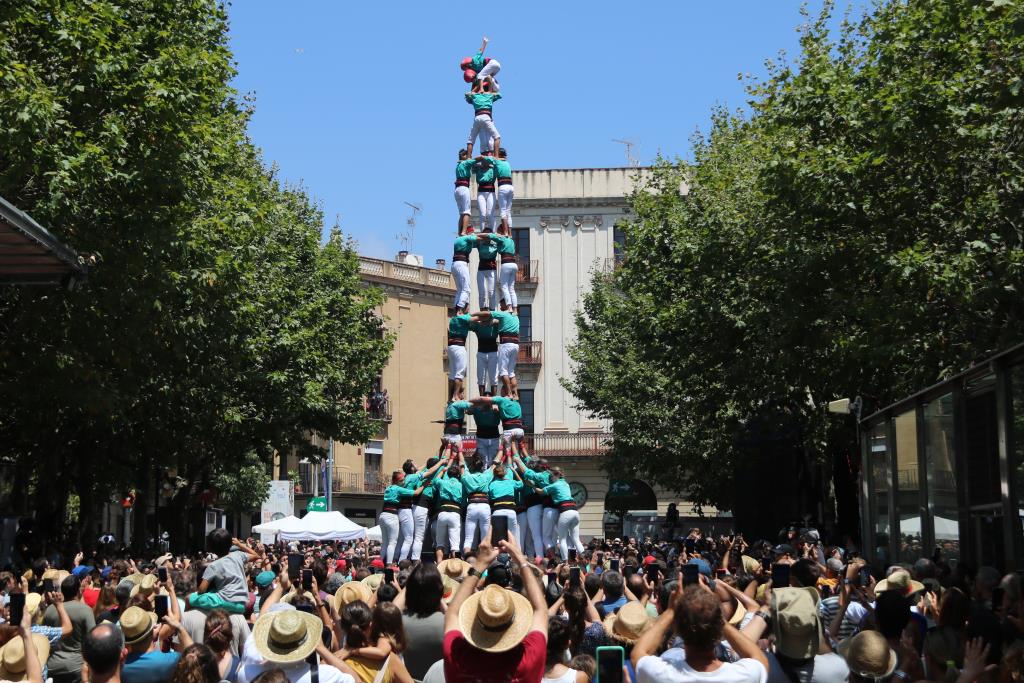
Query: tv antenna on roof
[[630, 144], [406, 237]]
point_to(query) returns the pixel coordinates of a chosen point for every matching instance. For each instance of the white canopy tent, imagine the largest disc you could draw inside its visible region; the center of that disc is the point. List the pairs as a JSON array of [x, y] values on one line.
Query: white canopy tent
[[374, 534], [321, 526], [274, 526]]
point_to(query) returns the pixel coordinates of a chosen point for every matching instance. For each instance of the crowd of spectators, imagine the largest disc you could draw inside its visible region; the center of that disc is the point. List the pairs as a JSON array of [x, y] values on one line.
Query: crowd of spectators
[[716, 610]]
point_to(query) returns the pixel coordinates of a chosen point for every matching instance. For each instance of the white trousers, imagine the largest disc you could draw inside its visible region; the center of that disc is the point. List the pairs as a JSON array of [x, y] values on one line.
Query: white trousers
[[485, 206], [521, 537], [407, 530], [478, 516], [388, 535], [508, 283], [458, 361], [463, 200], [534, 517], [420, 516], [454, 439], [569, 532], [460, 271], [484, 128], [513, 521], [549, 524], [485, 288], [506, 193], [449, 530], [507, 356], [488, 450], [514, 434], [487, 369], [491, 69]]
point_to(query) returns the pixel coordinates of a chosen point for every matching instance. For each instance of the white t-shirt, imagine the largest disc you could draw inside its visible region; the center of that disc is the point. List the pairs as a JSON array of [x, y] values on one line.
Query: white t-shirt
[[828, 668], [253, 665], [671, 667]]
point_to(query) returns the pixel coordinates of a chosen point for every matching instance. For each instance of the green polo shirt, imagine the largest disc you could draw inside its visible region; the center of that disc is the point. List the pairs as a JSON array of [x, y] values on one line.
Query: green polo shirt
[[539, 479], [485, 173], [509, 408], [456, 410], [485, 417], [482, 100], [500, 488], [488, 250], [559, 491], [478, 62], [459, 325], [504, 169], [508, 323], [476, 482], [463, 169], [448, 490], [465, 244], [394, 492], [506, 245]]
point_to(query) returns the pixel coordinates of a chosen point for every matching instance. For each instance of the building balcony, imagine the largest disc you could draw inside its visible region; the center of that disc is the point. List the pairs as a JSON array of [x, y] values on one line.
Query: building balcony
[[528, 274], [379, 408], [579, 445], [344, 481], [393, 273], [530, 353]]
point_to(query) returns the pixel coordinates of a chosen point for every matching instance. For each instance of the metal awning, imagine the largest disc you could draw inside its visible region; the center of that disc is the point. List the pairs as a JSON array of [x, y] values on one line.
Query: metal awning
[[30, 255]]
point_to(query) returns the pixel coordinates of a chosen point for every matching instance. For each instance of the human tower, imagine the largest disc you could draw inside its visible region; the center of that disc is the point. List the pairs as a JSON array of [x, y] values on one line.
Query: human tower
[[457, 494]]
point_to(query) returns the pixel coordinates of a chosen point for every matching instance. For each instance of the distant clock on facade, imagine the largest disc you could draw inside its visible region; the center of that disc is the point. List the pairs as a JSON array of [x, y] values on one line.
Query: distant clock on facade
[[579, 493]]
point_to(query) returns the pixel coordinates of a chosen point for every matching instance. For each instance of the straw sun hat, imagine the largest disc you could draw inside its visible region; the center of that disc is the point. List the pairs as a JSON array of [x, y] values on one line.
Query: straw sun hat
[[12, 656], [868, 654], [286, 636], [145, 587], [628, 623], [900, 582], [454, 567], [136, 624], [350, 592], [495, 619]]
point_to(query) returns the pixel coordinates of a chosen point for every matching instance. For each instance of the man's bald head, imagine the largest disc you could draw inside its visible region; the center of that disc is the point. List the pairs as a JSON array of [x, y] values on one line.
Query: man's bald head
[[102, 649], [636, 586]]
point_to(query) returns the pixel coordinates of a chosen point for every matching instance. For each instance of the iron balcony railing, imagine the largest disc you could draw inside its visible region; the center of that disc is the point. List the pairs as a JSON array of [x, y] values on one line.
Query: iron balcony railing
[[379, 408], [579, 445], [530, 353], [528, 274], [344, 481]]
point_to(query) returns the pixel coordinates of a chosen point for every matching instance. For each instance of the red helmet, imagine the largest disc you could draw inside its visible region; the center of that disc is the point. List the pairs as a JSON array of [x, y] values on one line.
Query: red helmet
[[469, 75], [466, 62]]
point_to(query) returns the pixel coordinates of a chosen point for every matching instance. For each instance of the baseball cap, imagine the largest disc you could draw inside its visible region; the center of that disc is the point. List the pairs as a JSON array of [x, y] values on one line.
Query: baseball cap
[[835, 564], [784, 549], [702, 566], [81, 571], [265, 578], [377, 563]]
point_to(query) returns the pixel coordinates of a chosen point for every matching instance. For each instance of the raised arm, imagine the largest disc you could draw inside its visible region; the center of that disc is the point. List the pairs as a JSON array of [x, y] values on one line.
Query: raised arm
[[483, 45], [531, 585], [485, 554]]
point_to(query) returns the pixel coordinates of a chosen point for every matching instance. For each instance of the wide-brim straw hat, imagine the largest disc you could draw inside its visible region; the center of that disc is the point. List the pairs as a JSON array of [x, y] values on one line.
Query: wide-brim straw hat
[[900, 582], [451, 586], [136, 624], [373, 581], [495, 619], [286, 636], [739, 614], [350, 592], [454, 567], [628, 624], [796, 623], [750, 565], [12, 656], [32, 602], [868, 655], [291, 596], [145, 587]]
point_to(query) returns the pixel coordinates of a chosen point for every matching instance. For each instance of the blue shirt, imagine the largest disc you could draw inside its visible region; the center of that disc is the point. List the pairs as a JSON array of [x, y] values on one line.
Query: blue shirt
[[149, 667], [604, 608]]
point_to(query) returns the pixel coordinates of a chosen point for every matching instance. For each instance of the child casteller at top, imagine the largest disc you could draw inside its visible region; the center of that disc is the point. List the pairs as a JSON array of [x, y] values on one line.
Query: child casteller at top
[[480, 68]]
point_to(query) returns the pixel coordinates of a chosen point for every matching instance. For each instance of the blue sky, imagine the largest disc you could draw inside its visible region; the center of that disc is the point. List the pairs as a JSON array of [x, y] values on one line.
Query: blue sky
[[362, 103]]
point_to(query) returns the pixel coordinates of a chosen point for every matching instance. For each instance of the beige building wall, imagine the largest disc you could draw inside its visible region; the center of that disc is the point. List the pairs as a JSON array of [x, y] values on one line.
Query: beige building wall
[[416, 313]]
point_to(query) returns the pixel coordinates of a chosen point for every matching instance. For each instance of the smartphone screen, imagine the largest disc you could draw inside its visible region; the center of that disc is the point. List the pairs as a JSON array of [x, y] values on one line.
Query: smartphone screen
[[780, 576], [609, 664], [615, 565], [16, 607], [307, 608], [47, 585], [575, 578], [389, 574], [572, 554], [864, 576], [499, 529], [690, 544], [628, 570], [719, 573], [162, 574], [307, 579], [766, 565], [552, 578], [691, 575], [294, 566], [161, 606]]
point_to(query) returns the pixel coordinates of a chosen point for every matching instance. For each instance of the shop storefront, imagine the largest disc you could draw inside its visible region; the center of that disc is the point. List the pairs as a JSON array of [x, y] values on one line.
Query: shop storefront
[[944, 469]]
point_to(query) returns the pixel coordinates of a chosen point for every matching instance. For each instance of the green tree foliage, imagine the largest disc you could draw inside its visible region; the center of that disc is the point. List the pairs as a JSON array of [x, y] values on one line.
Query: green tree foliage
[[857, 231], [215, 325]]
